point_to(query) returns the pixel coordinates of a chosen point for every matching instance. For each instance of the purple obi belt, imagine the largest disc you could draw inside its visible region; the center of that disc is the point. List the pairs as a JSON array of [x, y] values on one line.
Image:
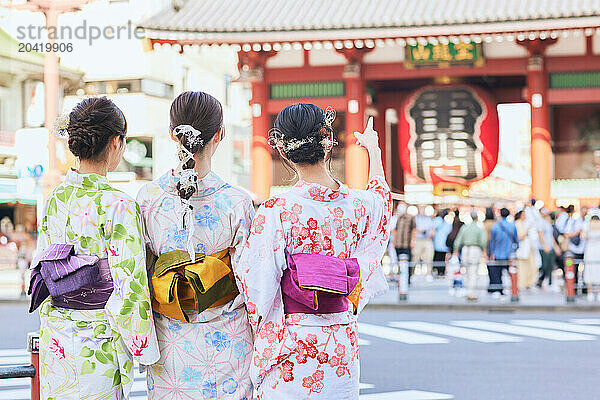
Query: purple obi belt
[[320, 284], [75, 281]]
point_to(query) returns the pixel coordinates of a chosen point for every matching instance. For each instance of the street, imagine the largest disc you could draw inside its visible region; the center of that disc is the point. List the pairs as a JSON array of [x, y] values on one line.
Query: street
[[426, 355]]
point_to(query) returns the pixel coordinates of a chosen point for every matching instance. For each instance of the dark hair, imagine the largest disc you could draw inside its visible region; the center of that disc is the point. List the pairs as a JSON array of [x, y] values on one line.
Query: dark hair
[[518, 215], [204, 113], [489, 214], [303, 124], [504, 212], [92, 123]]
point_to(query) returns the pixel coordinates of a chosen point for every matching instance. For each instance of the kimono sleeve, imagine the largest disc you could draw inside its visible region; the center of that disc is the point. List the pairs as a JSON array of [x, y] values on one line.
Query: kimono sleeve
[[372, 245], [129, 308], [43, 239], [242, 220], [261, 266]]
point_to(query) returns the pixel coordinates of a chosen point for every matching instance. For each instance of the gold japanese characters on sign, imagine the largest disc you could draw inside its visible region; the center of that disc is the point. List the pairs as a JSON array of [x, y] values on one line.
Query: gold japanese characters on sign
[[444, 54]]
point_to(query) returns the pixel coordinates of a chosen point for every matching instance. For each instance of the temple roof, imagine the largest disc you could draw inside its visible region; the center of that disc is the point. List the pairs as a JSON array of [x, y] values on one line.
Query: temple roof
[[239, 21]]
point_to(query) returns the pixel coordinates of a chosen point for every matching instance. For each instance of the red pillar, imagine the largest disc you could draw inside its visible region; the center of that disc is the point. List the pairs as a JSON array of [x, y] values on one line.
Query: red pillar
[[356, 159], [380, 127], [541, 150], [252, 67], [262, 172]]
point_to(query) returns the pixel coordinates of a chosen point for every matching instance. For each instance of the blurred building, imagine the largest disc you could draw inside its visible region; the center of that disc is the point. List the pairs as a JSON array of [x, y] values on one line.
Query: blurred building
[[369, 57], [143, 84], [23, 140]]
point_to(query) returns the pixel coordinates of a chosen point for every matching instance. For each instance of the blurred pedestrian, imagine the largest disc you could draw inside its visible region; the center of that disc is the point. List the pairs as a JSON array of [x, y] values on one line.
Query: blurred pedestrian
[[489, 221], [456, 225], [572, 233], [504, 241], [591, 273], [527, 267], [391, 248], [548, 248], [442, 229], [404, 233], [423, 246], [471, 242]]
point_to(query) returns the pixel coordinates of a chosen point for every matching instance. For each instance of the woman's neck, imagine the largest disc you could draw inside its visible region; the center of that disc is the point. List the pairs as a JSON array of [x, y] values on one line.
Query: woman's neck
[[90, 167], [203, 165], [317, 174]]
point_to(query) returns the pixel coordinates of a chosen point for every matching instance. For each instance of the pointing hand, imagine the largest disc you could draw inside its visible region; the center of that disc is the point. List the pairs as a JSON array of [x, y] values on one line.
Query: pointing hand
[[369, 138]]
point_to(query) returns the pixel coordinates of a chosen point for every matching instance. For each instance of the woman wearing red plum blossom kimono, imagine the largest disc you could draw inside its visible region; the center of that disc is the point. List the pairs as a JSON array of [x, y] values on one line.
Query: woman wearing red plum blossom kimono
[[311, 264]]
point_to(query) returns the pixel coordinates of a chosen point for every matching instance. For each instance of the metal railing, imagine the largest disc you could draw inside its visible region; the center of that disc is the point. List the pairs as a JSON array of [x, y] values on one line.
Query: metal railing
[[570, 269], [27, 371]]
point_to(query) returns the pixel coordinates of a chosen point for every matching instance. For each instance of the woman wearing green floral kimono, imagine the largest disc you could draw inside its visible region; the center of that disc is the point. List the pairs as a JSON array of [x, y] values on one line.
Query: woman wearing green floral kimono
[[90, 336]]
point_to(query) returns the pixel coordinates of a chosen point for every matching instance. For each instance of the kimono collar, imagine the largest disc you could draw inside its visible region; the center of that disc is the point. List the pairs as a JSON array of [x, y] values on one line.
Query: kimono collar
[[208, 185], [86, 181], [318, 192]]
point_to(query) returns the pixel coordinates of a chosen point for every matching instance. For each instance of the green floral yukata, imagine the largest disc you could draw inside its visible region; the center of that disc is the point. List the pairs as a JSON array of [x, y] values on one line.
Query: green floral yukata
[[89, 354]]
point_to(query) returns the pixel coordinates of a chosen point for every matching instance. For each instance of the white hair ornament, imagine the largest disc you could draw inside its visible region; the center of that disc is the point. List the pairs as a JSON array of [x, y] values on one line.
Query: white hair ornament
[[61, 126], [188, 178]]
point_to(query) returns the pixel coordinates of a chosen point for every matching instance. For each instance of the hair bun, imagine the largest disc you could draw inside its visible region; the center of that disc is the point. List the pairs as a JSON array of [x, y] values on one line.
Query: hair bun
[[82, 140], [92, 123]]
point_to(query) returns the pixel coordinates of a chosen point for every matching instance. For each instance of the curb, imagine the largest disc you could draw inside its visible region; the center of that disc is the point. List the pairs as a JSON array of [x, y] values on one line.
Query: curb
[[15, 301], [505, 308]]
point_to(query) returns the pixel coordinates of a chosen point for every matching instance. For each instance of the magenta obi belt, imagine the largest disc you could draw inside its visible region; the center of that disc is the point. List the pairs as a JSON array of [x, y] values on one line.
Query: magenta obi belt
[[75, 281], [320, 284]]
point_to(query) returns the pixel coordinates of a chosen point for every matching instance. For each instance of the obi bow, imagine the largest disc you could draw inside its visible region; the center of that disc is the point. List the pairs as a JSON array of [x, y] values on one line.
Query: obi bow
[[320, 284], [179, 284], [61, 274]]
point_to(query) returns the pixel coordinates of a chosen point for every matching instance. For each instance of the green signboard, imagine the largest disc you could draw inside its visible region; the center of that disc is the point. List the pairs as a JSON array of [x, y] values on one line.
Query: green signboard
[[307, 89], [444, 54], [575, 80]]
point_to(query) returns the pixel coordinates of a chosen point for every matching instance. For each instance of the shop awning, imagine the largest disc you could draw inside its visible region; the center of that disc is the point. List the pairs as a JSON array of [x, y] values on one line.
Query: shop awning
[[8, 200]]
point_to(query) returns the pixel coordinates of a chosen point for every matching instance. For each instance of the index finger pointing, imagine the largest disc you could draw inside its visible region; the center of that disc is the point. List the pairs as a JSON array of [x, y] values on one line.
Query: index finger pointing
[[369, 124]]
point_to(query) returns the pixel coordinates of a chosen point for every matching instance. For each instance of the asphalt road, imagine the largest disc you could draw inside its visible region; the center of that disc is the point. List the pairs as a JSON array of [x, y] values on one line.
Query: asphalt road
[[421, 355]]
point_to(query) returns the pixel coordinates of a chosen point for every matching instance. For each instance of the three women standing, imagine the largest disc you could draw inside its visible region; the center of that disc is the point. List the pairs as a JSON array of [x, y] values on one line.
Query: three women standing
[[311, 263], [92, 263], [196, 226], [305, 267]]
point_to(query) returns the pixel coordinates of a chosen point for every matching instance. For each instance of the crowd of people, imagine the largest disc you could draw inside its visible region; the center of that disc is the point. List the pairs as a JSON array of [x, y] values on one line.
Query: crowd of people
[[533, 238]]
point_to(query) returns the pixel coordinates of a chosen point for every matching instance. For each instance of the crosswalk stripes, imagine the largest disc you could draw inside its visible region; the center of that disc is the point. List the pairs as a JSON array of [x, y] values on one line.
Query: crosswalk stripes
[[407, 395], [463, 333], [562, 326], [585, 321], [398, 335], [404, 332], [523, 330]]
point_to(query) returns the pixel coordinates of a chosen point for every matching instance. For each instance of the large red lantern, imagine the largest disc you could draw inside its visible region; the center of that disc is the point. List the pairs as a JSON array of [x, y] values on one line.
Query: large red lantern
[[449, 134]]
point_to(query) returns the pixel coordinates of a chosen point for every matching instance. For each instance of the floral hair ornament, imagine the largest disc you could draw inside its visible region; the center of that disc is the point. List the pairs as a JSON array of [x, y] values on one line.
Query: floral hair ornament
[[275, 138], [188, 178], [329, 117], [329, 142], [61, 126]]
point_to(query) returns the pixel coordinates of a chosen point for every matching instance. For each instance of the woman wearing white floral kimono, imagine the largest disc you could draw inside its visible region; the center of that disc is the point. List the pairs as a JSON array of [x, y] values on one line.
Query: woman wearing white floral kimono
[[92, 264], [311, 263], [196, 225]]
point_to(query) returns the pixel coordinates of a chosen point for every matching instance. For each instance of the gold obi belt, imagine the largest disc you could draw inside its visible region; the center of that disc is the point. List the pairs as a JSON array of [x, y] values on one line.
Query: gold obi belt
[[179, 284]]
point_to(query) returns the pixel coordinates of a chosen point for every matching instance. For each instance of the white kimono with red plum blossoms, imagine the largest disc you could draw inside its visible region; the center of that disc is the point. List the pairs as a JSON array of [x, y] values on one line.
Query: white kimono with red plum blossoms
[[311, 356]]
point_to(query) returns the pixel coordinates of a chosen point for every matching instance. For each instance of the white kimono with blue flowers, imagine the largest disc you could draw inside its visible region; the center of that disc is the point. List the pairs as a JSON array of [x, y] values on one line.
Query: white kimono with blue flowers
[[209, 357]]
